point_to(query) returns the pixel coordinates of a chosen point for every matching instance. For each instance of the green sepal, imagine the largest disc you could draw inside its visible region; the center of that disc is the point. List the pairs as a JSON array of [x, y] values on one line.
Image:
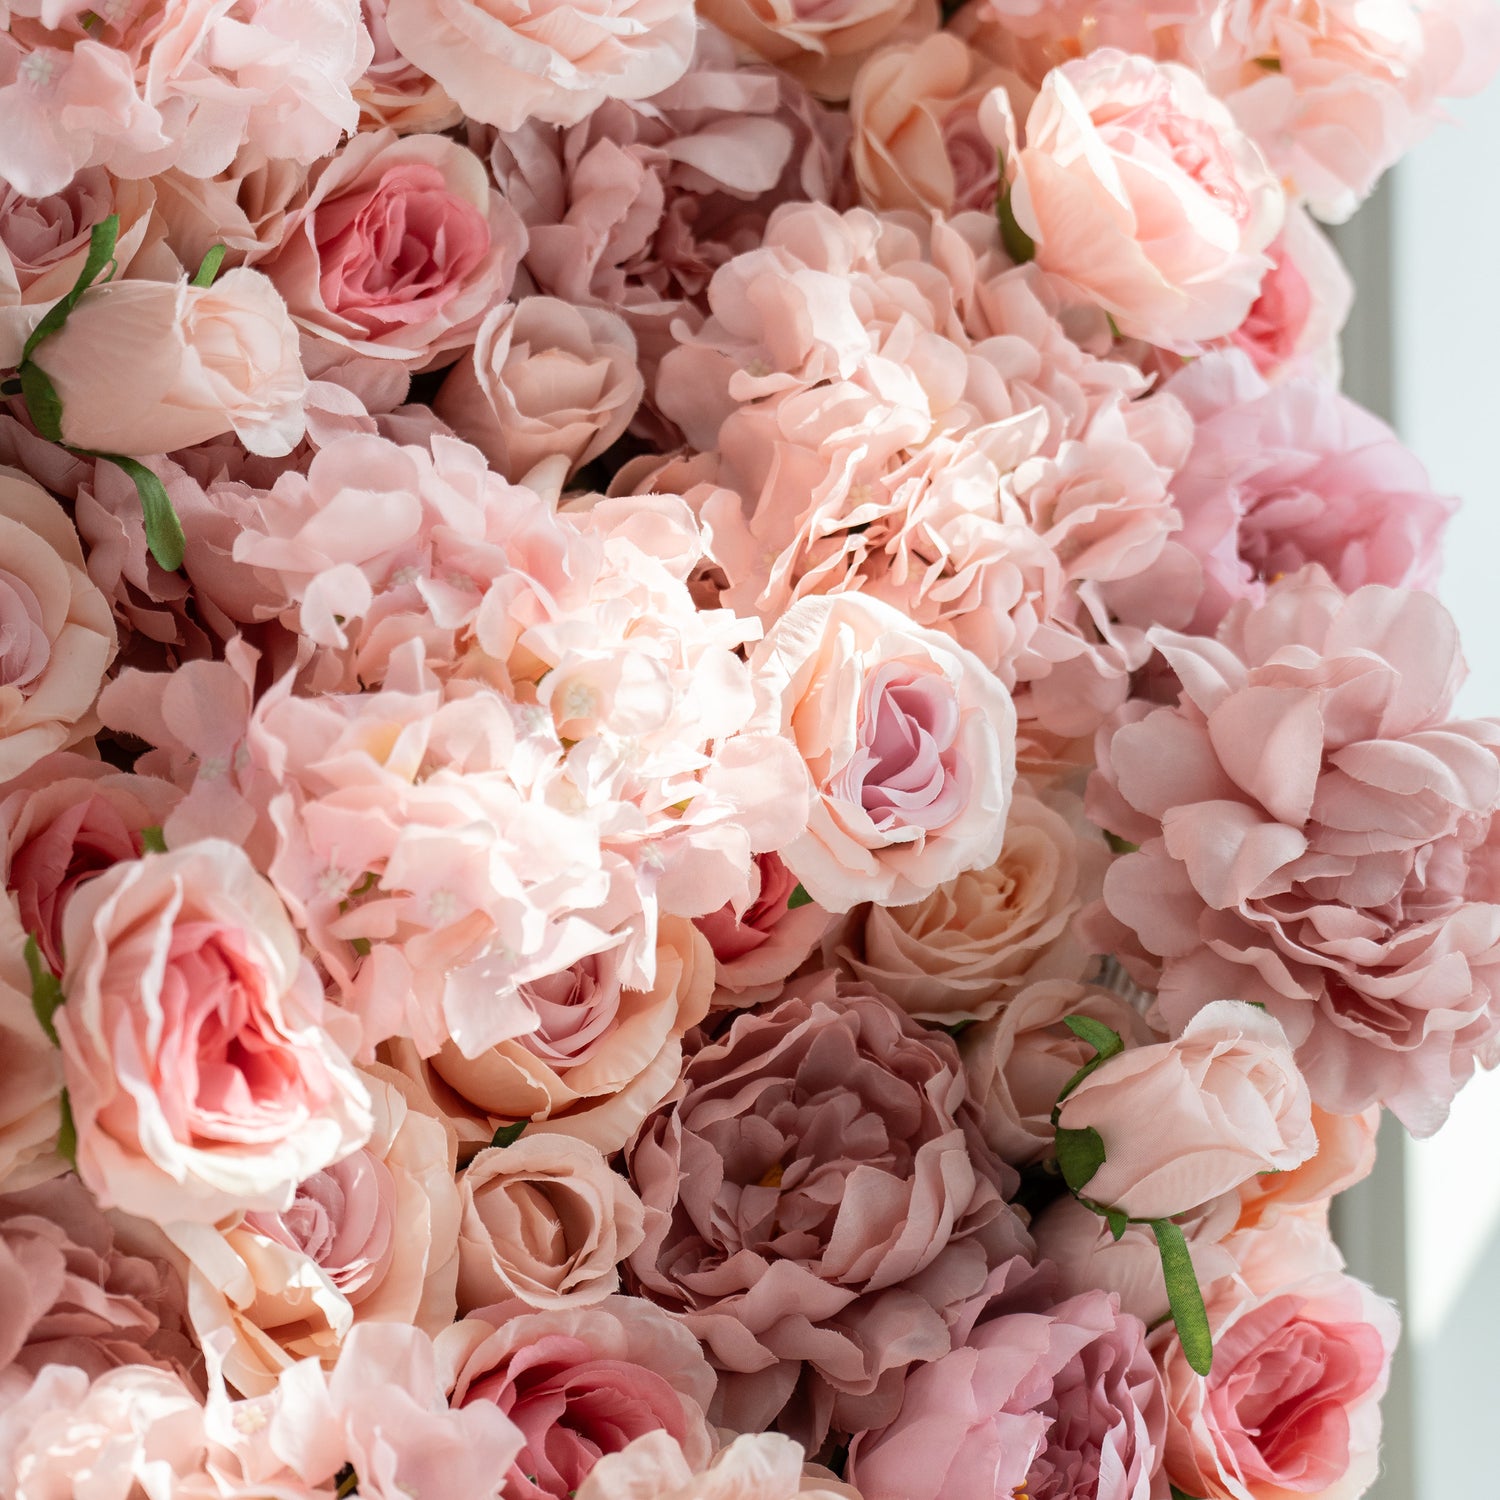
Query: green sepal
[[152, 841], [1018, 244], [164, 535], [46, 992], [102, 241], [1116, 1221], [67, 1131], [1178, 1494], [1119, 845], [1080, 1153], [1105, 1040], [957, 1028], [1184, 1296], [799, 897], [508, 1135], [208, 267], [43, 404]]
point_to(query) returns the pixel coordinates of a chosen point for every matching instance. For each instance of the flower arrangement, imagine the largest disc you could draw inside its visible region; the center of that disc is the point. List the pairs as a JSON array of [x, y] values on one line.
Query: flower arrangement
[[723, 773]]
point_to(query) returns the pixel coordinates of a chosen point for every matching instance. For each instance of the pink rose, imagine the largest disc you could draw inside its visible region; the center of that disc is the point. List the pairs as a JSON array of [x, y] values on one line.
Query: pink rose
[[1186, 1120], [369, 1239], [200, 1079], [546, 381], [203, 361], [818, 1204], [580, 1383], [1136, 186], [56, 635], [31, 1081], [395, 94], [1345, 1155], [244, 208], [1316, 835], [754, 1466], [1060, 1401], [506, 63], [982, 937], [546, 1221], [909, 745], [398, 249]]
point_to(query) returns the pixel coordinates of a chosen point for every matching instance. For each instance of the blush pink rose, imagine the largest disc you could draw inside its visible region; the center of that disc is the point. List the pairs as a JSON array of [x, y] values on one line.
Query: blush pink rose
[[394, 93], [754, 1466], [1137, 187], [544, 1220], [818, 1204], [909, 744], [203, 361], [56, 635], [200, 1079], [506, 62], [580, 1383], [31, 1081], [547, 381], [1345, 1155], [1316, 835], [1186, 1120]]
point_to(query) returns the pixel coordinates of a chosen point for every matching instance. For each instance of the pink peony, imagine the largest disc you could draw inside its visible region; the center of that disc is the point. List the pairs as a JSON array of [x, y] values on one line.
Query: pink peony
[[1135, 186], [754, 1466], [1315, 835], [506, 63], [818, 1204], [580, 1383]]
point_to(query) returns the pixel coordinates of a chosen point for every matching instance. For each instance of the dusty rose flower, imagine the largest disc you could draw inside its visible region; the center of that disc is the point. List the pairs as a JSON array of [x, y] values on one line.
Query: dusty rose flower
[[544, 1220], [1019, 1061], [1136, 186], [546, 381], [394, 93], [371, 1238], [394, 255], [982, 937], [815, 1184], [56, 635], [202, 360], [200, 1079], [909, 745], [580, 1383], [754, 1466], [1315, 835], [72, 1294], [1060, 1402], [244, 208], [506, 63]]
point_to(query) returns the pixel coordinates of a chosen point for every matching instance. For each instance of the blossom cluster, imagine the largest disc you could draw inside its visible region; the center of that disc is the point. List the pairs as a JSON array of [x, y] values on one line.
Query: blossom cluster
[[723, 773]]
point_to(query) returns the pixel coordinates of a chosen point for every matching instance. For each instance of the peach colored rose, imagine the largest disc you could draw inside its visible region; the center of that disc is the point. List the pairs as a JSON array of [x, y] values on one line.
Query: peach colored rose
[[983, 936], [506, 62], [370, 1239], [1345, 1155], [754, 1466], [202, 361], [244, 208], [31, 1081], [201, 1081], [1136, 186], [56, 635], [1186, 1120], [544, 1220], [395, 94], [1019, 1061], [909, 745], [546, 381]]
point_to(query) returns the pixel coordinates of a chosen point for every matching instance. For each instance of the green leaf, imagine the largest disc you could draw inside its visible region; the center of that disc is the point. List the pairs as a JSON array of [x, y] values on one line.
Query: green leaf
[[1119, 845], [46, 992], [1080, 1153], [1103, 1039], [508, 1135], [208, 267], [43, 404], [1184, 1296], [152, 841], [1018, 244], [361, 946], [102, 242], [67, 1131], [1116, 1221], [957, 1028], [799, 897], [163, 529], [1178, 1494], [1114, 327]]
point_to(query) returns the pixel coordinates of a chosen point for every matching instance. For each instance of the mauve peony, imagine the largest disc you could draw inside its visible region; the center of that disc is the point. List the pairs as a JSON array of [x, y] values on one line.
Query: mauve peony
[[909, 744], [56, 635], [544, 1220], [818, 1204], [546, 381], [1136, 186], [506, 62], [200, 1079], [580, 1383], [1059, 1402], [201, 361], [1316, 836], [754, 1466], [979, 939]]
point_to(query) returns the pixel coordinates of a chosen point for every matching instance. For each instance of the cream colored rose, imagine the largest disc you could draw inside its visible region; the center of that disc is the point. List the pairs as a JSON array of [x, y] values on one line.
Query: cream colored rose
[[57, 635], [981, 937], [545, 1220]]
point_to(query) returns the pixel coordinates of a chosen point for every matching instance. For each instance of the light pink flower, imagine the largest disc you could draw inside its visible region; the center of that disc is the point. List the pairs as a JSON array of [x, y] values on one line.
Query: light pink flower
[[909, 745], [506, 63], [1345, 1155], [580, 1383], [394, 93], [1315, 835], [32, 1080], [546, 1221], [1136, 186], [818, 1204], [754, 1466], [546, 382], [202, 360], [200, 1079]]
